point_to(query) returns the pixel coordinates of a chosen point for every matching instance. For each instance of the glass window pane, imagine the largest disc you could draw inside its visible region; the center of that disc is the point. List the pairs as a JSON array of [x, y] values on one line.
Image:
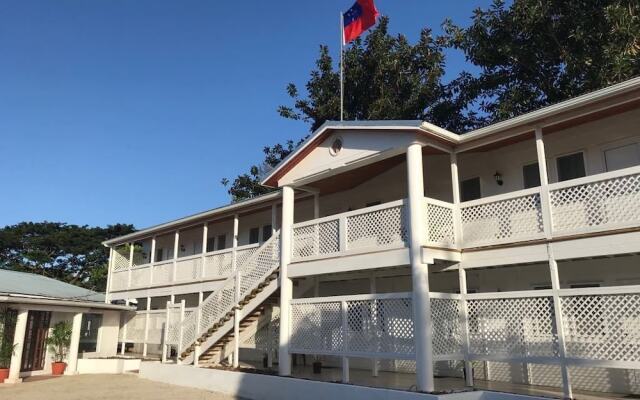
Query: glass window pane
[[571, 167], [531, 175], [470, 189], [90, 325]]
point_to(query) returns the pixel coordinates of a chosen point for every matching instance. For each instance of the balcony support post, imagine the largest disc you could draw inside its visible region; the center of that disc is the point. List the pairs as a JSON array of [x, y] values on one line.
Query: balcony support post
[[165, 333], [234, 240], [236, 324], [176, 248], [274, 218], [557, 311], [419, 271], [107, 297], [464, 315], [181, 330], [198, 350], [205, 234], [152, 259], [457, 213], [545, 200], [374, 314], [286, 285], [146, 328], [131, 245]]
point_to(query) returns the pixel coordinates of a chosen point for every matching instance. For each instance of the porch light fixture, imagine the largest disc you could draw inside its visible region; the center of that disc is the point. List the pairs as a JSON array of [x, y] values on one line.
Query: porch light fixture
[[498, 178]]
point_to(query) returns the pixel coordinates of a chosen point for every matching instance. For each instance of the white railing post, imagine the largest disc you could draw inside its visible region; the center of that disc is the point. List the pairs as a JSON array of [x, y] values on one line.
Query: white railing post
[[234, 254], [236, 324], [165, 334], [419, 271], [146, 328], [557, 310], [198, 311], [345, 341], [464, 316], [457, 212], [131, 245], [152, 259], [124, 329], [107, 297], [342, 233], [286, 285], [374, 316], [205, 234], [545, 200], [176, 248], [181, 331]]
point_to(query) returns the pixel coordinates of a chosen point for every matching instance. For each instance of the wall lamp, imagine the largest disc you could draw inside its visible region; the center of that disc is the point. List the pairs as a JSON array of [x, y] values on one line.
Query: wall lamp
[[498, 178]]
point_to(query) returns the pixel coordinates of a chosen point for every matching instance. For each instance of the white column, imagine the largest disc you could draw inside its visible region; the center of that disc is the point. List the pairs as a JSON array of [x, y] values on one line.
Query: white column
[[557, 310], [455, 188], [181, 331], [165, 334], [205, 234], [236, 325], [197, 350], [152, 259], [176, 249], [131, 246], [372, 289], [124, 329], [146, 327], [274, 218], [419, 271], [18, 342], [286, 285], [72, 357], [468, 367], [236, 224], [345, 326], [544, 184], [107, 297]]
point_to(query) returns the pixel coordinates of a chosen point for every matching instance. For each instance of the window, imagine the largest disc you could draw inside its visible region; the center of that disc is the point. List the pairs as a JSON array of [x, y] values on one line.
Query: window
[[531, 175], [254, 235], [622, 157], [266, 232], [470, 189], [222, 242], [570, 167], [89, 327], [159, 255], [211, 244]]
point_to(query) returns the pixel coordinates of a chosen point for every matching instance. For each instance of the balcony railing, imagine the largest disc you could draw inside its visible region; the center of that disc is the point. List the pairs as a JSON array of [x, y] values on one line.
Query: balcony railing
[[374, 228], [209, 266]]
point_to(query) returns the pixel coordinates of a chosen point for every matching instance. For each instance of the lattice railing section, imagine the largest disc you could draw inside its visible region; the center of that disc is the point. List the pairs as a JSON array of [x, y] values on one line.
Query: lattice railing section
[[188, 269], [120, 260], [135, 327], [512, 327], [140, 276], [218, 264], [602, 327], [382, 226], [486, 222], [316, 239], [119, 280], [253, 272], [603, 204], [157, 324], [173, 325], [267, 336], [163, 272], [447, 328], [440, 228]]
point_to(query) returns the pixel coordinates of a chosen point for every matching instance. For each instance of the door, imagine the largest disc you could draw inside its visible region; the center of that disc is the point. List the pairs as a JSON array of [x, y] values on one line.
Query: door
[[622, 157], [34, 349]]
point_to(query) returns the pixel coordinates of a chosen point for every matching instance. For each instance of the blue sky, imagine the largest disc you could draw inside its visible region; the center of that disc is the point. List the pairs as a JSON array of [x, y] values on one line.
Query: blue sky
[[133, 110]]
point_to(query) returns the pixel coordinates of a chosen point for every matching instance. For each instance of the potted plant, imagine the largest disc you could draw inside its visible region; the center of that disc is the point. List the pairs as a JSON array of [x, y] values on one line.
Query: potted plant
[[58, 344], [6, 352]]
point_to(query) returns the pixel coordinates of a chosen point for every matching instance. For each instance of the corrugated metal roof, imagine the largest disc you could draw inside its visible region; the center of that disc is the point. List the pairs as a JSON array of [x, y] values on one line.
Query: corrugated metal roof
[[26, 284]]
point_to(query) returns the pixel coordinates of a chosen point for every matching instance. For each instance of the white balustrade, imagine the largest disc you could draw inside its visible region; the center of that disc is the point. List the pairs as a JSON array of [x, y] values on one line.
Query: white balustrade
[[162, 272], [140, 275], [440, 220], [188, 268]]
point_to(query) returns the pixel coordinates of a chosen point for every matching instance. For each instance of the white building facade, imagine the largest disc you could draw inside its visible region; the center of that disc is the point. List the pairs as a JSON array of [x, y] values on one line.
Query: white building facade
[[506, 254]]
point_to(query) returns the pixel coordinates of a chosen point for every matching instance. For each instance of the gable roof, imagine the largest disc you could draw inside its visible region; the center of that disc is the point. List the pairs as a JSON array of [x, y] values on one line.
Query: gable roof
[[14, 283]]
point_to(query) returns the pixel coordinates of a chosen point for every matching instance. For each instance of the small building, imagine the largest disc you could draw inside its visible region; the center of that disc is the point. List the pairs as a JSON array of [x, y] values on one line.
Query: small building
[[31, 304]]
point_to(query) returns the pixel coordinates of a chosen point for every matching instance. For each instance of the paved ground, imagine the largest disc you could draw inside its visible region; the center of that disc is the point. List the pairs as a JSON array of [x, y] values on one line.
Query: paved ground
[[102, 387]]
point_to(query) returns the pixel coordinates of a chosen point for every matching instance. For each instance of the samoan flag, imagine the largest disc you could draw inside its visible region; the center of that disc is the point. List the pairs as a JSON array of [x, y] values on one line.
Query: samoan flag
[[360, 17]]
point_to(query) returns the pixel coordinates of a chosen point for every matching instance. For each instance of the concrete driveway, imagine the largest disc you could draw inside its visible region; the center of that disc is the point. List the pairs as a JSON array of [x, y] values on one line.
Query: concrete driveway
[[102, 387]]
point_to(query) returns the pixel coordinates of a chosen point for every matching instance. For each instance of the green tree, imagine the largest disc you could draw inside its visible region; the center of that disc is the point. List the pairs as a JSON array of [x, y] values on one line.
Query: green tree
[[69, 253], [533, 53], [386, 78]]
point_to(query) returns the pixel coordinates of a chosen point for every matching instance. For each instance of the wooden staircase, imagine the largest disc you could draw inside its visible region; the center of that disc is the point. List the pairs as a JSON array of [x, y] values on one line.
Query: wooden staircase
[[225, 345]]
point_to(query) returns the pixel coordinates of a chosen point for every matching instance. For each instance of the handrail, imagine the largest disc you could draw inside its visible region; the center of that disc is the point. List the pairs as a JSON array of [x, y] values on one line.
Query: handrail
[[500, 197], [227, 284], [347, 214], [595, 178]]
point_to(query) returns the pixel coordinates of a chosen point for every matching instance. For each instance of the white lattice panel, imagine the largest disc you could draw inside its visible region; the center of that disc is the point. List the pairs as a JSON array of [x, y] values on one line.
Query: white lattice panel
[[447, 328], [243, 255], [157, 322], [188, 270], [440, 225], [609, 203], [120, 259], [317, 239], [173, 326], [316, 327], [502, 221], [602, 327], [378, 228], [119, 280], [163, 273], [512, 327], [256, 268], [140, 276], [266, 338], [219, 264], [135, 328]]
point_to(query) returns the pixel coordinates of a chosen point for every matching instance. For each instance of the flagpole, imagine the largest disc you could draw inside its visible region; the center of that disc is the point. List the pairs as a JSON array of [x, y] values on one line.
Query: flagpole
[[341, 66]]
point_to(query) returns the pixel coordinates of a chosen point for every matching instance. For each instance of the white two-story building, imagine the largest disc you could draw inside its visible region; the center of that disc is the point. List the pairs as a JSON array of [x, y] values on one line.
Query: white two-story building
[[399, 254]]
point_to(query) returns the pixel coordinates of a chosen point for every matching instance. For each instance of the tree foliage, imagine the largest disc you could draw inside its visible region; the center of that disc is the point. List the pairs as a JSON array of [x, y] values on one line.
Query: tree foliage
[[530, 53], [69, 253]]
